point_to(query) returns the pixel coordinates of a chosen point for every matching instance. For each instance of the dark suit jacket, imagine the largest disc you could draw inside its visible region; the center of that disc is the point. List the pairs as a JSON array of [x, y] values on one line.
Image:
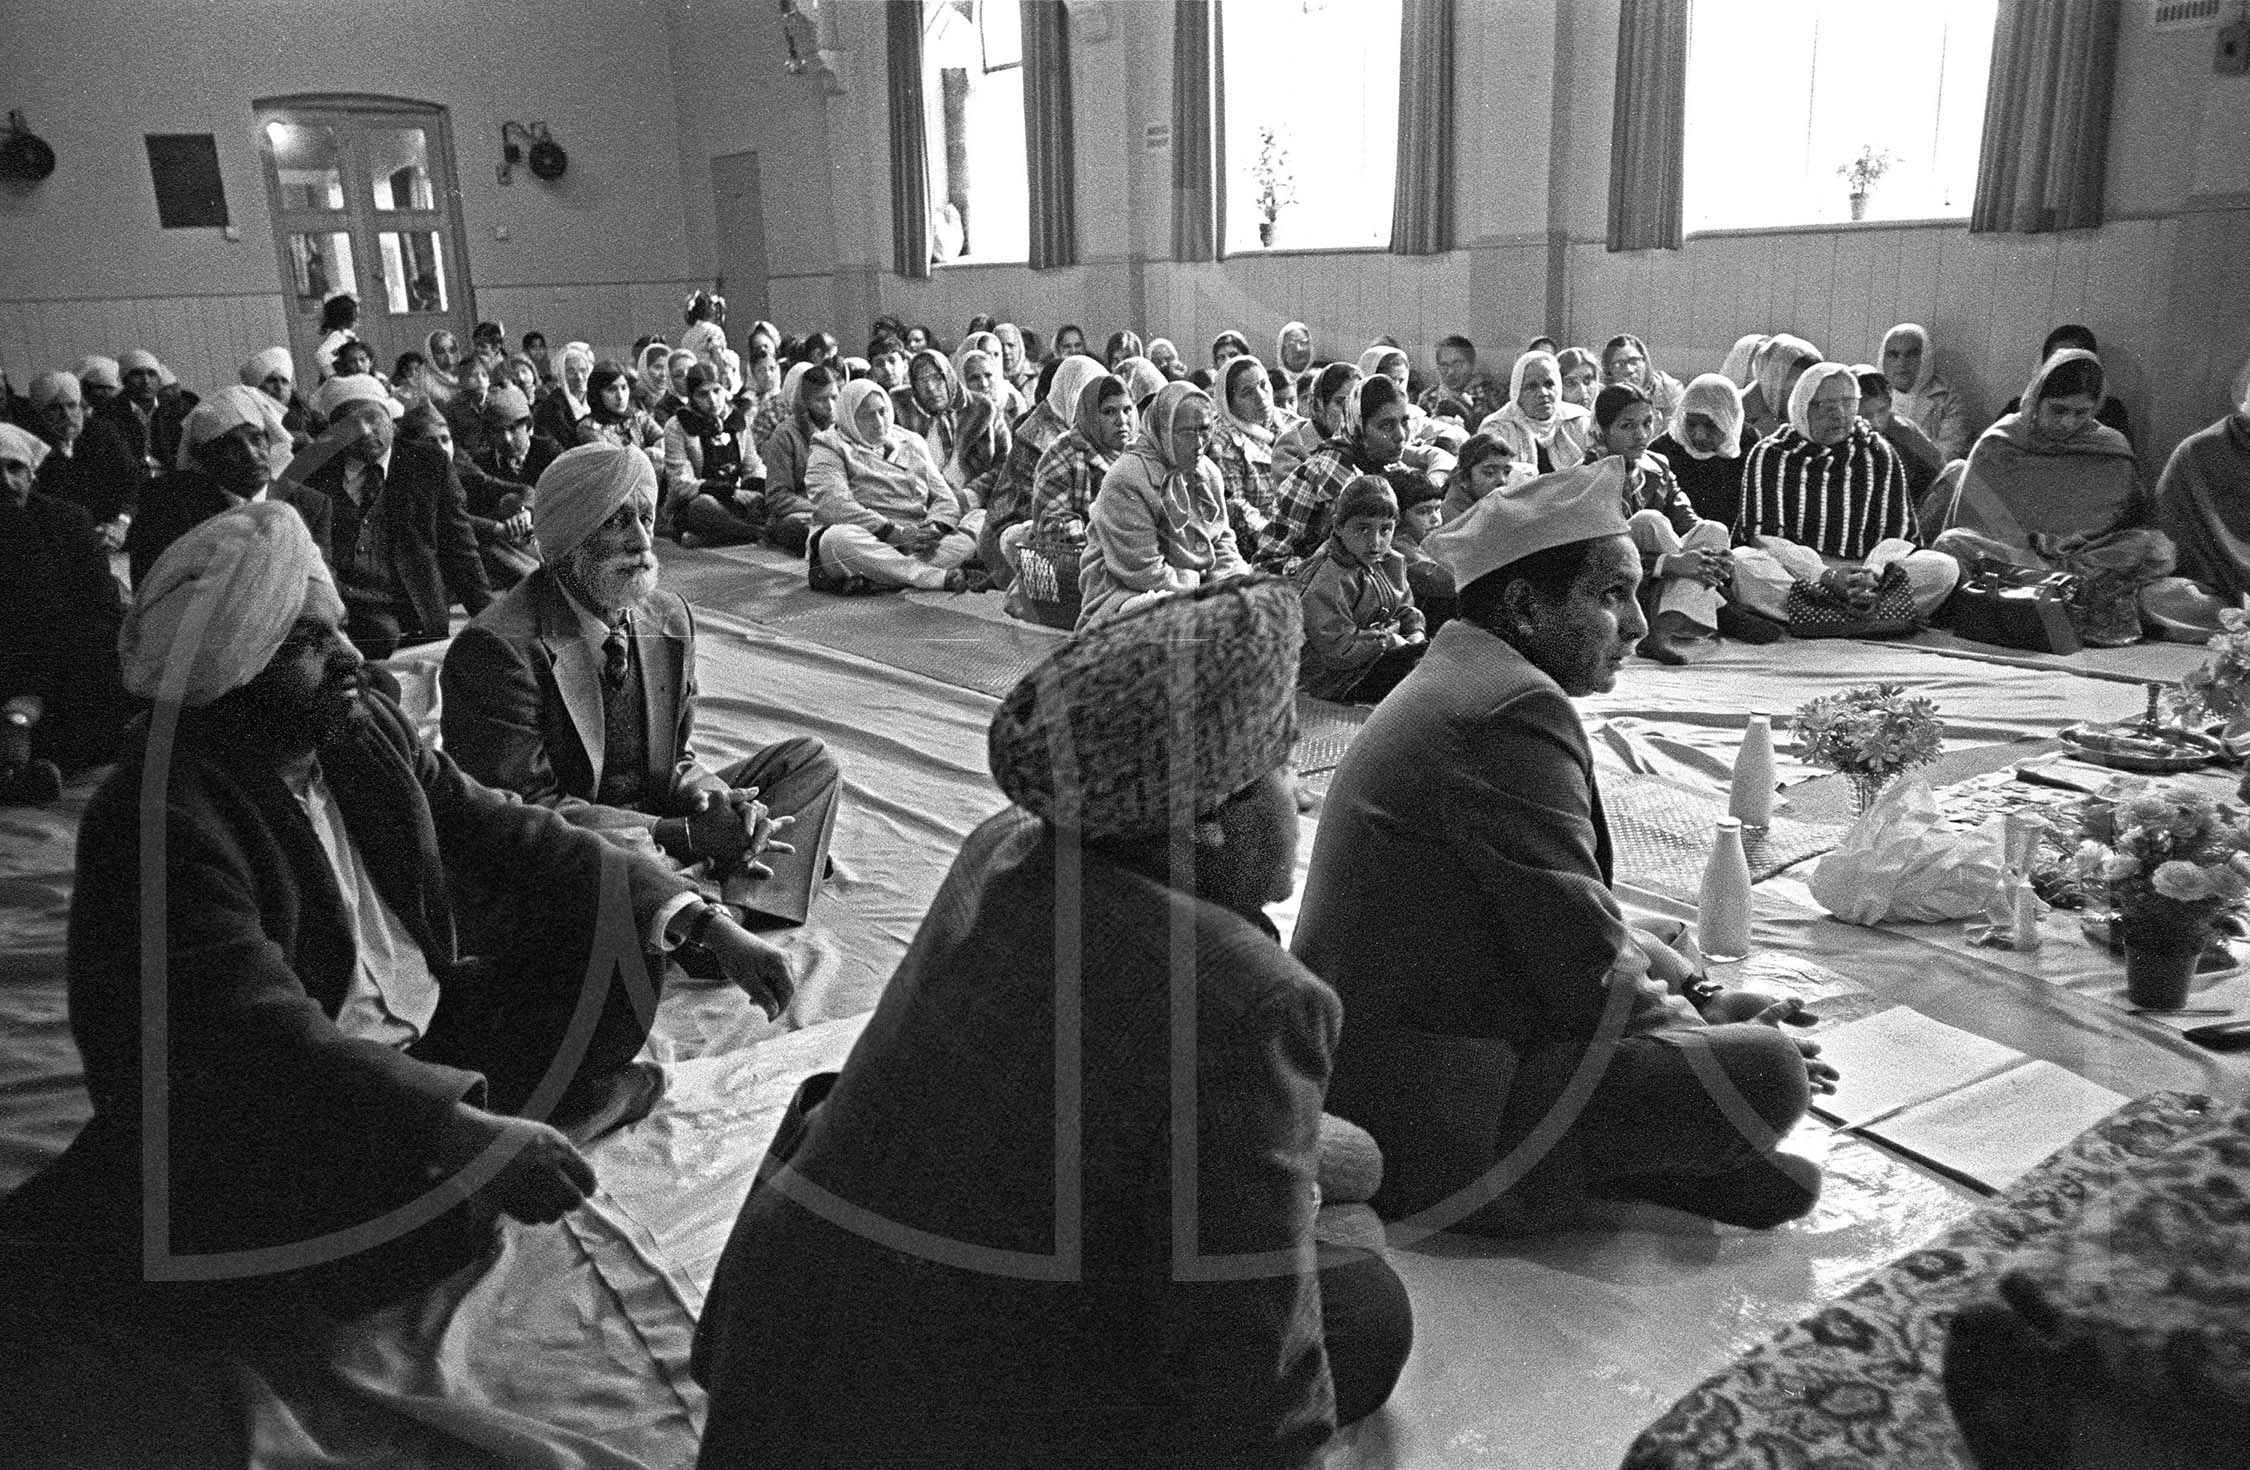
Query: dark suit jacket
[[552, 417], [184, 499], [433, 545], [281, 1126], [102, 473], [159, 439], [57, 597], [522, 699]]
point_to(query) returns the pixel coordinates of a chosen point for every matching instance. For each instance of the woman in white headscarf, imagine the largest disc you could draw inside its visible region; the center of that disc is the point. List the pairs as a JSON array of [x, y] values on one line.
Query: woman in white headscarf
[[570, 401], [1738, 367], [1917, 392], [995, 382], [885, 515], [1242, 441], [1625, 360], [1159, 524], [1292, 348], [1775, 367], [1544, 429], [1704, 445]]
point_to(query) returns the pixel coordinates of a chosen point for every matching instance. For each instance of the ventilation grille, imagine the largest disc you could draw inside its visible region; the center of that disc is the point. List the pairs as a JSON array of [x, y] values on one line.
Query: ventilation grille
[[2183, 15], [1156, 137]]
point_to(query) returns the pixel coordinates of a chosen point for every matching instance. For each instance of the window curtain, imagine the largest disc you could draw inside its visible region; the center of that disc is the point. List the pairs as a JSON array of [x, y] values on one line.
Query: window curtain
[[2046, 117], [910, 159], [1422, 197], [1648, 126], [1198, 144], [1048, 134]]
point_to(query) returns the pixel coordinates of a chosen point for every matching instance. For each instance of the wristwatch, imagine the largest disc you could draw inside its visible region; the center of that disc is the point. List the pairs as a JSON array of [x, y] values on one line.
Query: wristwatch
[[1702, 991], [691, 945]]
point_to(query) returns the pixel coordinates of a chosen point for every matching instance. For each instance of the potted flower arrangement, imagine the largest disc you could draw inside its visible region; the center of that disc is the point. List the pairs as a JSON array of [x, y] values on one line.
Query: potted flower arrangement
[[1872, 734], [1864, 173], [2173, 860], [1276, 183]]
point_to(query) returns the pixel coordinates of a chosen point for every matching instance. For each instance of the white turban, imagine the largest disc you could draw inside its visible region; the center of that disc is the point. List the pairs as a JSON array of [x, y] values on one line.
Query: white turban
[[213, 611], [227, 408], [50, 387], [582, 489], [336, 394], [99, 369], [18, 444], [138, 361], [260, 366]]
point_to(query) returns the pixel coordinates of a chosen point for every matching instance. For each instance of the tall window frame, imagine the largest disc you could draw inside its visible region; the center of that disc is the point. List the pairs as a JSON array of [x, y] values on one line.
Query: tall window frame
[[1783, 96], [976, 157]]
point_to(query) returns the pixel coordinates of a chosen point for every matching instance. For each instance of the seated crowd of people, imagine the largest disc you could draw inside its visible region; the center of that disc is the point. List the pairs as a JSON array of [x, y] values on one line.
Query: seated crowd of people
[[388, 963]]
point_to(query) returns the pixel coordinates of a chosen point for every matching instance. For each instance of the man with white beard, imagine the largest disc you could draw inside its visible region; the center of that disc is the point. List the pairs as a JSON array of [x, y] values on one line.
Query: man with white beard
[[576, 690]]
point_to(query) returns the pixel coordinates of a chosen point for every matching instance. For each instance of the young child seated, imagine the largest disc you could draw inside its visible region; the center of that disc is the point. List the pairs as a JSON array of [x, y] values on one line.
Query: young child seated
[[1685, 567], [1421, 503], [1363, 632]]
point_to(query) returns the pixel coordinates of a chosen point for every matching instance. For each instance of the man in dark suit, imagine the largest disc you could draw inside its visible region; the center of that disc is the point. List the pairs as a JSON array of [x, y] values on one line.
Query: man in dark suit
[[150, 424], [61, 706], [235, 442], [578, 686], [401, 541], [330, 1056], [92, 467]]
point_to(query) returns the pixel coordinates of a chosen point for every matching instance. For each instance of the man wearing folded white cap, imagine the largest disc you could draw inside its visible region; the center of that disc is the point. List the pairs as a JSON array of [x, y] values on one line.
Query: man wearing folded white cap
[[332, 1057], [102, 378], [61, 705], [90, 465], [273, 372], [578, 686], [232, 447], [401, 541], [1514, 1045], [150, 426]]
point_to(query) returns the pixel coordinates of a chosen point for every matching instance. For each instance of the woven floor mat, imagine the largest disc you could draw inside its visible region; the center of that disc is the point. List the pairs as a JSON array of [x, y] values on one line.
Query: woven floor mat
[[955, 648], [1324, 732], [1660, 832]]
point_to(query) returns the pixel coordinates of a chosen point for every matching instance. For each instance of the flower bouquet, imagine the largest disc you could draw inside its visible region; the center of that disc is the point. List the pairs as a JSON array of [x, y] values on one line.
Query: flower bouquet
[[2218, 693], [2172, 860], [1873, 734]]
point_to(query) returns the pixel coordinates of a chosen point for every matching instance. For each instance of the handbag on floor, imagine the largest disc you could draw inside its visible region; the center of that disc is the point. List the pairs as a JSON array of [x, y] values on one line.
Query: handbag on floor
[[2018, 607], [1815, 612]]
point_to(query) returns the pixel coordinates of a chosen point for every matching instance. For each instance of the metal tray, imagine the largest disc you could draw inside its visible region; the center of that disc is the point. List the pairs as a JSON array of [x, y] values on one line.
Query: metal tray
[[2188, 757]]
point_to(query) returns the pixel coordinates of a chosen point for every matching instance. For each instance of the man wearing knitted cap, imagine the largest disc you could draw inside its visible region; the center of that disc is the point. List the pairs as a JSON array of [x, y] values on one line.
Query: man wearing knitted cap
[[90, 465], [1515, 1046], [578, 686], [232, 446], [332, 1058], [403, 546], [61, 706], [1098, 954]]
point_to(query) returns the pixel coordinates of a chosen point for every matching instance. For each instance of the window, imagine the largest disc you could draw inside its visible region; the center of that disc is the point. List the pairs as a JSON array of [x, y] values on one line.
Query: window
[[1781, 95], [1311, 122], [972, 114]]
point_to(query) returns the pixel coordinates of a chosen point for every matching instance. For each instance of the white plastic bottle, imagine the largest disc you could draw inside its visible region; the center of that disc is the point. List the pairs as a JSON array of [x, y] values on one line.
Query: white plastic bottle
[[1722, 918], [1751, 800]]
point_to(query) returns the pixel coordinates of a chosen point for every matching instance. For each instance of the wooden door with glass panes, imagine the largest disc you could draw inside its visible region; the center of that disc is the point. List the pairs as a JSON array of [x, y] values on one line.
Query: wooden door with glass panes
[[365, 200]]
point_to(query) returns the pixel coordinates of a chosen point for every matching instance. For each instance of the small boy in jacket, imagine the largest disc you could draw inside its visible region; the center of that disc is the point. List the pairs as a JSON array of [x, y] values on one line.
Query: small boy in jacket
[[1363, 633]]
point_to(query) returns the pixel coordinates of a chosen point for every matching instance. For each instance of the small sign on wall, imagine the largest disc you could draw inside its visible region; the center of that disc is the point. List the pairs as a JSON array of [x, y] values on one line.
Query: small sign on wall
[[185, 169]]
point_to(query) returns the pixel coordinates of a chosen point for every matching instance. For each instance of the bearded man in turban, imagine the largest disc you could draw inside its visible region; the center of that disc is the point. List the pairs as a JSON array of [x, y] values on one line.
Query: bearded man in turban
[[578, 686], [345, 1101]]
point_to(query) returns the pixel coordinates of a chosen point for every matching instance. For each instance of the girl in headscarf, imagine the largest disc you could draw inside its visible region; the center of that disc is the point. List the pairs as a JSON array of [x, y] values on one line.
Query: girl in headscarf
[[677, 361], [1159, 523], [929, 403], [1544, 429], [1775, 368], [2203, 502], [1044, 551], [1142, 380], [808, 405], [2051, 487], [1422, 430], [1292, 347], [655, 381], [1487, 464], [613, 418], [1035, 433], [1737, 368], [524, 374], [1322, 408], [1625, 360], [1122, 346], [1581, 376], [1241, 445], [1166, 359], [1909, 365], [1369, 440], [1824, 503], [714, 482], [885, 514], [1704, 445], [1226, 347]]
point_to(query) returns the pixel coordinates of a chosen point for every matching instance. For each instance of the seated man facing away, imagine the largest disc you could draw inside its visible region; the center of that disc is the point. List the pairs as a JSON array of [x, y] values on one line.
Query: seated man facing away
[[968, 1312], [61, 706], [1824, 503], [578, 686], [1509, 1044], [331, 1059], [1363, 632]]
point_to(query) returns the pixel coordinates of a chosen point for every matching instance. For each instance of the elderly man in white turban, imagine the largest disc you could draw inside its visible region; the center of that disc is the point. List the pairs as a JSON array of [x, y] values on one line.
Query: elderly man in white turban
[[1516, 1046], [61, 706], [151, 426], [91, 465], [578, 686], [273, 372], [232, 448], [332, 1059], [1118, 903], [402, 544]]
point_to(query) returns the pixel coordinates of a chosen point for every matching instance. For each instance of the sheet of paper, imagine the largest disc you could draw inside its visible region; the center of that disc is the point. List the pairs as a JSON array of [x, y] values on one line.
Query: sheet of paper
[[1996, 1130], [1899, 1057]]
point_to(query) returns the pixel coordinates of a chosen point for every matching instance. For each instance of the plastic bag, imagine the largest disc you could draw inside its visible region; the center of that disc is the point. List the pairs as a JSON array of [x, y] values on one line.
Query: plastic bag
[[1900, 862]]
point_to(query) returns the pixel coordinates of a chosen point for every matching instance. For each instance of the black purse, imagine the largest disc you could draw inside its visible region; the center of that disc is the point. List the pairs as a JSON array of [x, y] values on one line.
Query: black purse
[[1815, 612], [2016, 607]]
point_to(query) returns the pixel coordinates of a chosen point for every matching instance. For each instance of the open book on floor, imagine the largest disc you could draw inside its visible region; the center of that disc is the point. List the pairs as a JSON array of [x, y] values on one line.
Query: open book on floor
[[1979, 1111]]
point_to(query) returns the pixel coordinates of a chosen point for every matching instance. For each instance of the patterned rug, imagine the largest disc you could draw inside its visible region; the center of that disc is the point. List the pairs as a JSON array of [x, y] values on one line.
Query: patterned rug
[[1660, 832]]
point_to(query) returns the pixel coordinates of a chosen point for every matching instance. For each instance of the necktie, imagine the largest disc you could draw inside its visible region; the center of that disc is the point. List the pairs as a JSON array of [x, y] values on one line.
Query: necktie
[[613, 657]]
